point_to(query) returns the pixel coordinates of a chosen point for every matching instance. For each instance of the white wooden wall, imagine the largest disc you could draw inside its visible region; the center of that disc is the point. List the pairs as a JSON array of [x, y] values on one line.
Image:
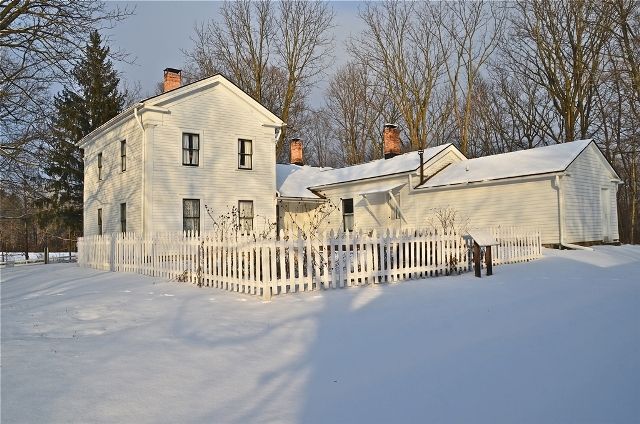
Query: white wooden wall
[[220, 118], [532, 204], [115, 187], [588, 176], [374, 212]]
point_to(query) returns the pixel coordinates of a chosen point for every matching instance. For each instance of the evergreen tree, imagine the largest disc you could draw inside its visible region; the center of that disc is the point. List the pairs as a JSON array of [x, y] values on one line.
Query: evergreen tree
[[94, 100]]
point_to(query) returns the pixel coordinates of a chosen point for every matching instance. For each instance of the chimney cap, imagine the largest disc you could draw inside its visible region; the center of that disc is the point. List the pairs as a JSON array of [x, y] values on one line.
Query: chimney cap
[[390, 125], [174, 70]]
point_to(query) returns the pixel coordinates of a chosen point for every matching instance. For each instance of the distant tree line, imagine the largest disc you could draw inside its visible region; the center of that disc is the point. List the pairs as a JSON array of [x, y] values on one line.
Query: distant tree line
[[490, 77], [46, 46]]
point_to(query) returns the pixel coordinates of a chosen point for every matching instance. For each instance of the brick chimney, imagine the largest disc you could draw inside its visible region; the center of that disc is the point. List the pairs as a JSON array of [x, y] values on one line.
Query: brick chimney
[[172, 79], [391, 139], [296, 157]]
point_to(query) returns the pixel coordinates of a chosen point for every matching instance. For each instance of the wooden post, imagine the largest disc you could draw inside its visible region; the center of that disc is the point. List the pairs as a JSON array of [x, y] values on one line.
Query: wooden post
[[488, 261], [476, 259]]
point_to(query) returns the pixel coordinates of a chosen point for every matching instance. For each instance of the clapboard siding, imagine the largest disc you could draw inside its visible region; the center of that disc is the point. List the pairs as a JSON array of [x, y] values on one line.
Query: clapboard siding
[[220, 118], [116, 186], [533, 204], [301, 215], [582, 190], [374, 212]]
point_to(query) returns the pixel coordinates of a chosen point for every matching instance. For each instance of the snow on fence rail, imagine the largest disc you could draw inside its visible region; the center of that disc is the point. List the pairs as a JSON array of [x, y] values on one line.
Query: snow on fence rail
[[292, 263]]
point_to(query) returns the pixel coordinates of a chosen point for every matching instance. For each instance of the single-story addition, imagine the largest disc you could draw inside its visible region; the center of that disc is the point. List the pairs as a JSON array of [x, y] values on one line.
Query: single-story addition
[[567, 191], [365, 196], [155, 166]]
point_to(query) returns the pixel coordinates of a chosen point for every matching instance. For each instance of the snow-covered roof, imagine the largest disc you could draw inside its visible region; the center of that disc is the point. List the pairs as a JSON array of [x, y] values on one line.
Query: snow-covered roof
[[295, 181], [378, 168], [541, 160]]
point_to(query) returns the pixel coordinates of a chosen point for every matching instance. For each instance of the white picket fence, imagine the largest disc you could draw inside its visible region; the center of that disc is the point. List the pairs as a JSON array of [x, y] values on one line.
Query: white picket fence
[[292, 263]]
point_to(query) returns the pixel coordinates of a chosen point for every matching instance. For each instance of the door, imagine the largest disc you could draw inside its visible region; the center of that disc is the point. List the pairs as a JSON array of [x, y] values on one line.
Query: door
[[605, 207]]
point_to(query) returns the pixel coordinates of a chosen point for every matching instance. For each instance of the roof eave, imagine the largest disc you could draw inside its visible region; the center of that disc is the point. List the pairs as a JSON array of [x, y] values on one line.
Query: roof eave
[[301, 199], [542, 175]]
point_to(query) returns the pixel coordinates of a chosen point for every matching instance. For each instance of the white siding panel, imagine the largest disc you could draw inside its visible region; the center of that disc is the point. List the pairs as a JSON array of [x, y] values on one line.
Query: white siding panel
[[116, 186], [374, 212], [527, 204], [221, 119], [582, 190]]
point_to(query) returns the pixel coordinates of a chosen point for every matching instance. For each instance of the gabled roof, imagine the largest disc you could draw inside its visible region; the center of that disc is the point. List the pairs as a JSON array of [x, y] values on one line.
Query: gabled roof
[[164, 99], [541, 160], [302, 181]]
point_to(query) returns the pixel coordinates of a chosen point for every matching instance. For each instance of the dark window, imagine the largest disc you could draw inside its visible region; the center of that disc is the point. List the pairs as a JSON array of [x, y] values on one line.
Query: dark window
[[123, 217], [191, 215], [347, 214], [245, 214], [123, 155], [100, 221], [244, 154], [190, 149], [99, 166]]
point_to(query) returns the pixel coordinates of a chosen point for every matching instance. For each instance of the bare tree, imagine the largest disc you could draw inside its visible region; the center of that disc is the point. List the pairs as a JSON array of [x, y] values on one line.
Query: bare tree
[[273, 51], [400, 46], [321, 147], [354, 105], [617, 111], [40, 41], [238, 45], [626, 51], [472, 31], [303, 47], [559, 45]]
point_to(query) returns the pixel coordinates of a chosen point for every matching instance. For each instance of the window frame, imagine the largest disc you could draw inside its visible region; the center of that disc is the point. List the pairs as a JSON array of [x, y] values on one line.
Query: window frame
[[190, 148], [243, 155], [123, 217], [193, 218], [99, 221], [242, 219], [100, 166], [346, 214], [123, 155]]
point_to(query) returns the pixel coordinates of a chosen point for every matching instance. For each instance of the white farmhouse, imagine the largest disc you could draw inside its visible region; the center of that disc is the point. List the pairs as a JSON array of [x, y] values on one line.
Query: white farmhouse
[[159, 165], [180, 160], [567, 191]]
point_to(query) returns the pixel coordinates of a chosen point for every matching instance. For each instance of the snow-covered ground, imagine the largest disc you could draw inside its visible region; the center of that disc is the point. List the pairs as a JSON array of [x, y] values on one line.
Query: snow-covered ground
[[552, 341], [18, 258]]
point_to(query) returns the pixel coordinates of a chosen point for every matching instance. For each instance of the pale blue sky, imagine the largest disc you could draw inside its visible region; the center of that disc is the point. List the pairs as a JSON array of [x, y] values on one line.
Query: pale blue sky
[[160, 29]]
